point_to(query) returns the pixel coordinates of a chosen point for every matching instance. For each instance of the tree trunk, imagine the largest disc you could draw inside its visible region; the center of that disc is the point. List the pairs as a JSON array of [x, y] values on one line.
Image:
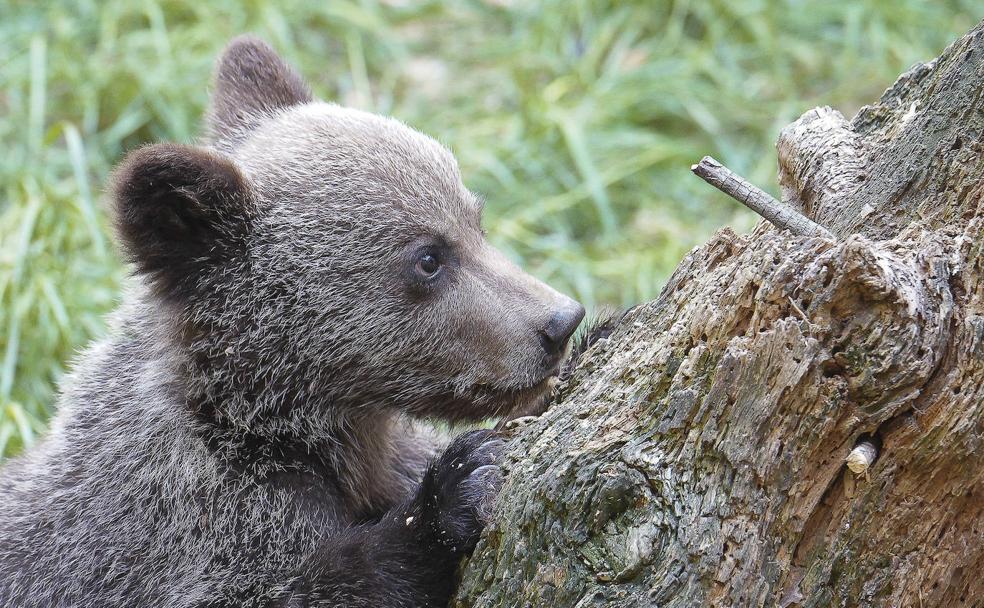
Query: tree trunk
[[697, 456]]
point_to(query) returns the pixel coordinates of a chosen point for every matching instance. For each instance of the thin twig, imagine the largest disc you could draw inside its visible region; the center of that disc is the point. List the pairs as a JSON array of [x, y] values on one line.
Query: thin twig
[[732, 184], [798, 310]]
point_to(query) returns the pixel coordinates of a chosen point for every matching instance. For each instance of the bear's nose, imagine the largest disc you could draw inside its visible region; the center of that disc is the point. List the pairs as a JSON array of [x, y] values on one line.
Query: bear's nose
[[560, 326]]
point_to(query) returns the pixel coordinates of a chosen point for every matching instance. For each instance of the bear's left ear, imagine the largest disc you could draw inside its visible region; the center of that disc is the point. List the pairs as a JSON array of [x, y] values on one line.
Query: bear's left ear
[[250, 81], [180, 212]]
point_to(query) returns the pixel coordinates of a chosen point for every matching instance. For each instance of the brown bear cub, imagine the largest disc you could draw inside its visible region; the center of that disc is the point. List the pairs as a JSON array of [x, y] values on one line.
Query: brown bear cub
[[311, 283]]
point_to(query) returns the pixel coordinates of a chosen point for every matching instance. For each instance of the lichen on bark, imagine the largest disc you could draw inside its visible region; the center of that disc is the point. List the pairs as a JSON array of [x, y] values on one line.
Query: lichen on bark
[[696, 457]]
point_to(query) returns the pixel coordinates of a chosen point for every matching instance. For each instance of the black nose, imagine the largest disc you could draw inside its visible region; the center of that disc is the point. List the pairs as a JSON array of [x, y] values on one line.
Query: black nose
[[560, 327]]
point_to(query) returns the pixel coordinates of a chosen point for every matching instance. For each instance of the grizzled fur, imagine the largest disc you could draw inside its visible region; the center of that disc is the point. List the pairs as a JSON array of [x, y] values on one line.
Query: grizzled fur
[[312, 283]]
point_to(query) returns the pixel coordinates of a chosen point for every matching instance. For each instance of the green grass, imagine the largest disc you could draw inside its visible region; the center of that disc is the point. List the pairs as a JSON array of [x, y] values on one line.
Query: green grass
[[576, 120]]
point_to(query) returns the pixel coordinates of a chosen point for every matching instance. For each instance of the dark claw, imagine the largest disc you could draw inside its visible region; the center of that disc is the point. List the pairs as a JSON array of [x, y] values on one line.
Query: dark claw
[[459, 489]]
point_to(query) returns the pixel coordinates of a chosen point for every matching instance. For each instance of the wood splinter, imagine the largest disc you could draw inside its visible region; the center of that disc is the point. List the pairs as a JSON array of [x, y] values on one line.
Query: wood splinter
[[738, 188]]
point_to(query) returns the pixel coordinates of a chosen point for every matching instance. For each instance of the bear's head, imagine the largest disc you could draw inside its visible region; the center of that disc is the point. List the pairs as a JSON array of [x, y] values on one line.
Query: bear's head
[[314, 256]]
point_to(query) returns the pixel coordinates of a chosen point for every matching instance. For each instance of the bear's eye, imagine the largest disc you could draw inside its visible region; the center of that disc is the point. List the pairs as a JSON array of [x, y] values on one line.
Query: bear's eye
[[427, 266]]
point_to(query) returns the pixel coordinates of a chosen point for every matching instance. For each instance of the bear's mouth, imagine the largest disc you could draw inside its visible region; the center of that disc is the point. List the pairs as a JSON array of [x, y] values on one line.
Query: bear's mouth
[[528, 398]]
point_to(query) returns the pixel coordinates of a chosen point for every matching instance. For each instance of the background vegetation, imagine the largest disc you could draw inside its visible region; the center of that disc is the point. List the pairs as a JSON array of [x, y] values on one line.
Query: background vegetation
[[577, 120]]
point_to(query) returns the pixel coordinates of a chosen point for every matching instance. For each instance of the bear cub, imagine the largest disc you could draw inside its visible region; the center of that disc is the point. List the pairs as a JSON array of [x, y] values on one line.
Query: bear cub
[[312, 284]]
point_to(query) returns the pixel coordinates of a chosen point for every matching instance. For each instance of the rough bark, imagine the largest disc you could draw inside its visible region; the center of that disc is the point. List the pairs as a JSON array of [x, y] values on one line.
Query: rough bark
[[697, 456]]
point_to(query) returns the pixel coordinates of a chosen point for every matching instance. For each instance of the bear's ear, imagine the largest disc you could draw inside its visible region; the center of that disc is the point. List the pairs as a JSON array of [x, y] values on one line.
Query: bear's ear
[[181, 211], [250, 81]]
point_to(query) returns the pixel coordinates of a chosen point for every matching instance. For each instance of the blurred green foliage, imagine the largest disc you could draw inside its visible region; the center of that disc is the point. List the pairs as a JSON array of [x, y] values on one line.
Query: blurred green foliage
[[577, 120]]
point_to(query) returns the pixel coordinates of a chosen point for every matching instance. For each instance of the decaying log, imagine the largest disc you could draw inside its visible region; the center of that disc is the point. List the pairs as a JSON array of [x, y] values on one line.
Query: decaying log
[[698, 456]]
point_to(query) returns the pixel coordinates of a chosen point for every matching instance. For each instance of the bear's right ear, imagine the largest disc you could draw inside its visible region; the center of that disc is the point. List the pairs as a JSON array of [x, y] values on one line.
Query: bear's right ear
[[251, 81], [180, 211]]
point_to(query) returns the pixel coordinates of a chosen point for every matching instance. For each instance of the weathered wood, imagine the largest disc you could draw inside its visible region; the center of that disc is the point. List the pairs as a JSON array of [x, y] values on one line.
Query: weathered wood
[[697, 456], [780, 215]]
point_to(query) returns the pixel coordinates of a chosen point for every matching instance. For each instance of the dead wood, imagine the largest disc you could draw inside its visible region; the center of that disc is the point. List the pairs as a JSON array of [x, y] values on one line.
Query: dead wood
[[697, 457]]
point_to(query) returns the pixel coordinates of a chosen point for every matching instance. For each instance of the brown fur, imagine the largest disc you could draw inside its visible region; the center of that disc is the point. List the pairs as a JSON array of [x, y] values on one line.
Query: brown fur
[[253, 431]]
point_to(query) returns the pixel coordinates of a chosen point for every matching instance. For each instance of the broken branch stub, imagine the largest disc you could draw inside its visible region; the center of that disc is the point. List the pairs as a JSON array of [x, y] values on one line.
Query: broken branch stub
[[735, 186]]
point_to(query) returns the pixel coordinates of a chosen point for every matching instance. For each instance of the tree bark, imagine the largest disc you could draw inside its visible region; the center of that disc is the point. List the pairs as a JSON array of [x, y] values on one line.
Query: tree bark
[[697, 456]]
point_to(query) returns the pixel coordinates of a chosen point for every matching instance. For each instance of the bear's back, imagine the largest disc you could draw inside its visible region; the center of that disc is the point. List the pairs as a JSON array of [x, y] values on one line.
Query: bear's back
[[124, 504]]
